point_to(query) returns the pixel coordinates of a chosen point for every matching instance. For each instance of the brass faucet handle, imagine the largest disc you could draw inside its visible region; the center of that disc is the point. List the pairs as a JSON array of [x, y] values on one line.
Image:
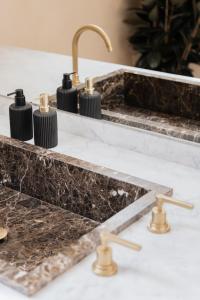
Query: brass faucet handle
[[166, 199], [104, 264], [109, 237], [159, 222]]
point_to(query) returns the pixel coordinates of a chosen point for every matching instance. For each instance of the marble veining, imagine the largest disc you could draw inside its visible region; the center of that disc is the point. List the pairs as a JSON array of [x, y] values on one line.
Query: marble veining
[[37, 229], [156, 104], [54, 207], [43, 241], [68, 186]]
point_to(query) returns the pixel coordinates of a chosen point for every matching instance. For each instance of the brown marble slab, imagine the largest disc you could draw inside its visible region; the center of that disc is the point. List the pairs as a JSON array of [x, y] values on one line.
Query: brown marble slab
[[156, 104], [55, 206], [151, 103], [64, 184], [37, 230]]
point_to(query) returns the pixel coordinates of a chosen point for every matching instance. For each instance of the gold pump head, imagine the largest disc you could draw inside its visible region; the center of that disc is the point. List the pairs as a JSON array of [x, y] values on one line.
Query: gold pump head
[[104, 264], [44, 103], [159, 222], [89, 85]]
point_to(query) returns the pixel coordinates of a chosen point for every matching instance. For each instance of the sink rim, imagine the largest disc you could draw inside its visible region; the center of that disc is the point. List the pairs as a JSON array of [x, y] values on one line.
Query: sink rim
[[132, 121], [33, 281]]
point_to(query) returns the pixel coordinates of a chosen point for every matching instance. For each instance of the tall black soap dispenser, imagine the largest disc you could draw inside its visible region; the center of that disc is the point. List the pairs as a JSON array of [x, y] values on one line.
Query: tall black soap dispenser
[[21, 117], [45, 124], [90, 101], [67, 96]]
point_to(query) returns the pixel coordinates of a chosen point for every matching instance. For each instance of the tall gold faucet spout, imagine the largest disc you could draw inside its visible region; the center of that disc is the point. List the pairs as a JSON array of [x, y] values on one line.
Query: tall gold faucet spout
[[75, 42]]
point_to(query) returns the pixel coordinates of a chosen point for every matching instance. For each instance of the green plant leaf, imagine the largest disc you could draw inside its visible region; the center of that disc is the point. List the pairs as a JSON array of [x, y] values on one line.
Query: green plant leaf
[[198, 6], [161, 49], [154, 59], [148, 2], [153, 14], [194, 57], [142, 15], [181, 15], [178, 2]]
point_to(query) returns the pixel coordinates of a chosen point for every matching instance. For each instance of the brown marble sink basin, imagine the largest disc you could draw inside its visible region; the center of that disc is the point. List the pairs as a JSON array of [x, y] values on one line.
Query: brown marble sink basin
[[54, 207], [155, 103]]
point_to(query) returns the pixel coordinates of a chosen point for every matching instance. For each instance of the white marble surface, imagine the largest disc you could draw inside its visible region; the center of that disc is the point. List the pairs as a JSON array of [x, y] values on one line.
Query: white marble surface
[[37, 72], [134, 139], [100, 132], [168, 265]]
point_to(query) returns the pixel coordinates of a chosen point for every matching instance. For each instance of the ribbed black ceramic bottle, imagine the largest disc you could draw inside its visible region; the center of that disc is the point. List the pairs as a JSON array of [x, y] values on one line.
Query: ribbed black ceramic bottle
[[90, 101], [45, 124], [67, 96], [21, 117]]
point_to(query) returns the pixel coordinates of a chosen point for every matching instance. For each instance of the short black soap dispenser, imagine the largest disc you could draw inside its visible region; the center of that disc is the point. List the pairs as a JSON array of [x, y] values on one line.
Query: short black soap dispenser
[[45, 124], [21, 117], [90, 101], [67, 96]]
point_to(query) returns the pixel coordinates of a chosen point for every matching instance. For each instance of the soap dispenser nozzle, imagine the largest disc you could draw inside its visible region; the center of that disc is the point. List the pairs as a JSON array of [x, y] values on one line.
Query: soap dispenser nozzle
[[19, 97], [67, 82]]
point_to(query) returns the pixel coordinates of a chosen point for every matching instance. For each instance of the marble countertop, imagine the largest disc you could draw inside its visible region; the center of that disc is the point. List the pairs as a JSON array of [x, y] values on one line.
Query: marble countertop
[[38, 72], [168, 265]]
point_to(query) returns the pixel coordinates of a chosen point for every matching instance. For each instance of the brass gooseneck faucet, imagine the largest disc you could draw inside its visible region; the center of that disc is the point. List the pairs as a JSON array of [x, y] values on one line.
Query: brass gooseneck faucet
[[75, 42]]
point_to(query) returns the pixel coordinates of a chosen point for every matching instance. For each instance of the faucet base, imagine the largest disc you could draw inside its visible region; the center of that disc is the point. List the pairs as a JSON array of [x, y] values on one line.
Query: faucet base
[[154, 228], [159, 222], [105, 270], [104, 265]]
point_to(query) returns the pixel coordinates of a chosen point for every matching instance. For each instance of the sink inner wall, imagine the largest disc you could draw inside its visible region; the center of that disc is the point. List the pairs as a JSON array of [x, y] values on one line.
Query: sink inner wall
[[124, 91], [46, 176]]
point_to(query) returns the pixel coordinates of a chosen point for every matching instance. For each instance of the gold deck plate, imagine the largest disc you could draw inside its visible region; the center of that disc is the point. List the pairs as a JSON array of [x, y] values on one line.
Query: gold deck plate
[[108, 270]]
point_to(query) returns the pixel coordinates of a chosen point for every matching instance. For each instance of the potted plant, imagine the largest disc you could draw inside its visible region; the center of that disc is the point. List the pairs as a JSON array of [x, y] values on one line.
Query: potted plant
[[166, 34]]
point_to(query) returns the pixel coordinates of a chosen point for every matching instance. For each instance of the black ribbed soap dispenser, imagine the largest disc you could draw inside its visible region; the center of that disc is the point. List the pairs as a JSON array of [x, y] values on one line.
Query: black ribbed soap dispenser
[[67, 96], [45, 124], [90, 101], [21, 117]]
